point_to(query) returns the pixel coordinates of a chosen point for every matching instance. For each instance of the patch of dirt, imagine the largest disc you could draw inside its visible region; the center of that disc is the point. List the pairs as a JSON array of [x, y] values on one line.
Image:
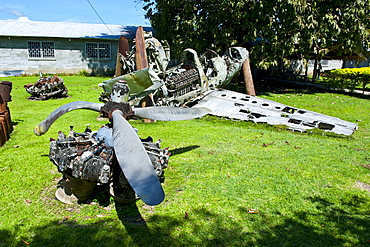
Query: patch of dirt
[[366, 166], [363, 186], [149, 209], [48, 194]]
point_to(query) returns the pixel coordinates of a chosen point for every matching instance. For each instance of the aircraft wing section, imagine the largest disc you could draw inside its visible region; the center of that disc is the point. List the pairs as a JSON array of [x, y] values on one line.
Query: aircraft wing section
[[225, 103]]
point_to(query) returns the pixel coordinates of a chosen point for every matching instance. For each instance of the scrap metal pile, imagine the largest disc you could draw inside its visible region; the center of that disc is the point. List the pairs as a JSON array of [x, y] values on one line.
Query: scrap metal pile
[[46, 88]]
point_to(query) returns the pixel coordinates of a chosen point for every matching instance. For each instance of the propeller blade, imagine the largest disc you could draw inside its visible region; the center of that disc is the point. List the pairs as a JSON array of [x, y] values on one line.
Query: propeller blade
[[135, 162], [44, 126], [165, 113]]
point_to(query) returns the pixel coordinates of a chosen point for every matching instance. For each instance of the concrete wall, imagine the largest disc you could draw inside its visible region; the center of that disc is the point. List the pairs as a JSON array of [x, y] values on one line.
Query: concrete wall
[[355, 64], [69, 57]]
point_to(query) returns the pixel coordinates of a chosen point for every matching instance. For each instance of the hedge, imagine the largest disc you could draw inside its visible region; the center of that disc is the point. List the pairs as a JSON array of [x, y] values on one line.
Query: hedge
[[349, 78]]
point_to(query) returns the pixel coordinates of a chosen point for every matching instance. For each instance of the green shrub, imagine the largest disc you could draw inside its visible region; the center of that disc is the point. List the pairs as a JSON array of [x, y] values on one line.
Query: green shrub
[[349, 78], [83, 73]]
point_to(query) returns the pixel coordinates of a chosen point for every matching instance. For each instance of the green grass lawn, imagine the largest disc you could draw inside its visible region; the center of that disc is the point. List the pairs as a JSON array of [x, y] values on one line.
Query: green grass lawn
[[229, 183]]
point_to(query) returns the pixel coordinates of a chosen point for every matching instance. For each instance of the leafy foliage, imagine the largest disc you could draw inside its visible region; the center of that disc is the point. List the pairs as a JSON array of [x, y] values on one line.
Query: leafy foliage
[[273, 30], [349, 78]]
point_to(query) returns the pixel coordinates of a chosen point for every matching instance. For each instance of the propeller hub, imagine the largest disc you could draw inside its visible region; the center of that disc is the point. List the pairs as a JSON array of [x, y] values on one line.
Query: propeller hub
[[111, 106]]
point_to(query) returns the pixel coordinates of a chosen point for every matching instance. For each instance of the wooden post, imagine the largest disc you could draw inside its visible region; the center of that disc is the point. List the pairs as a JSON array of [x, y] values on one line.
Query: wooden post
[[141, 61], [123, 48], [249, 86]]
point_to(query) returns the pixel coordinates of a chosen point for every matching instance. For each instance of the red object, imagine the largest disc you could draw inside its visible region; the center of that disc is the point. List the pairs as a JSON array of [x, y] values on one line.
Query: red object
[[5, 89], [6, 126]]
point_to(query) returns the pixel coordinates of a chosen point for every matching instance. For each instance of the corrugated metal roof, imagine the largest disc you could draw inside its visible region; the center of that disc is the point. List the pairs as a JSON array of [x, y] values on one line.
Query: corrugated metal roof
[[27, 28]]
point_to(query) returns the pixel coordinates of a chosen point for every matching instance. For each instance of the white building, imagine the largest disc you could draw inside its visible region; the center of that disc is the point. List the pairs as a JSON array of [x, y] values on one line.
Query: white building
[[59, 47]]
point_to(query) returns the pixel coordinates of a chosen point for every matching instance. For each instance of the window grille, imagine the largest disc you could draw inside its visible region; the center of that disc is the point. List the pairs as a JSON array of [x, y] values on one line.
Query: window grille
[[41, 49], [98, 50], [47, 49]]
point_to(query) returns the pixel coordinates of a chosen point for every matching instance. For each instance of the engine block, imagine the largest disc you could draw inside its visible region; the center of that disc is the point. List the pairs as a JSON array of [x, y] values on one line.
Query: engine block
[[46, 88], [90, 155]]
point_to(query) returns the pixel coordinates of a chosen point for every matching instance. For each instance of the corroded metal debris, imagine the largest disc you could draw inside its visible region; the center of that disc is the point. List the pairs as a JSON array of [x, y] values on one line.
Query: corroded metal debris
[[196, 82], [114, 153], [233, 105], [87, 159], [6, 126], [180, 83], [46, 88]]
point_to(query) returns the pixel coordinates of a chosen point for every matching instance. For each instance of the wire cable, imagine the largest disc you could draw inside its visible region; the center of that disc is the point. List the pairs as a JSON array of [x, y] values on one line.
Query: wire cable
[[99, 16]]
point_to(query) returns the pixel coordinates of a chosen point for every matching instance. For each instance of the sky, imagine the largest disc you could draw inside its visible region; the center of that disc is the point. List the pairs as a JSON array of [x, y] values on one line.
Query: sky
[[117, 12]]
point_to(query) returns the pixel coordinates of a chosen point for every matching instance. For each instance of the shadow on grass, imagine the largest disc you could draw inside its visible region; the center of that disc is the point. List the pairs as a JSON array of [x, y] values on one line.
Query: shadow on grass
[[268, 87], [357, 95], [331, 224], [327, 224], [16, 121], [265, 88], [183, 150], [6, 238]]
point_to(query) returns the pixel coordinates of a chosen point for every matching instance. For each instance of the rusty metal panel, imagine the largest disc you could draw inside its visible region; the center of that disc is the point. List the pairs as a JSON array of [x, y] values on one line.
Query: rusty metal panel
[[2, 137], [123, 49], [5, 89], [140, 55], [6, 126]]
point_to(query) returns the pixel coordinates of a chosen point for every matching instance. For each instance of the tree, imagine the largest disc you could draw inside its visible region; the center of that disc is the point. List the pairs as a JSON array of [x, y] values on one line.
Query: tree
[[271, 30]]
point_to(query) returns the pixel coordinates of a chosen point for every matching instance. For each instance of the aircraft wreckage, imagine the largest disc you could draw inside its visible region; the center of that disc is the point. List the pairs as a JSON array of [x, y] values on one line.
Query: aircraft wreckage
[[114, 154], [46, 87], [132, 166], [197, 82]]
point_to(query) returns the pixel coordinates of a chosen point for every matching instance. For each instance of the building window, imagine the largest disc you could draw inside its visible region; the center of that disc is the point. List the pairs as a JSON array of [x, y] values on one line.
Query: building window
[[98, 50], [41, 49]]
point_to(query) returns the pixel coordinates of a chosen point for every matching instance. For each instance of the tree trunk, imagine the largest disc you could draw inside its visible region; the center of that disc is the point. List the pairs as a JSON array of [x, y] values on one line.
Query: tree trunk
[[306, 70], [314, 71]]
